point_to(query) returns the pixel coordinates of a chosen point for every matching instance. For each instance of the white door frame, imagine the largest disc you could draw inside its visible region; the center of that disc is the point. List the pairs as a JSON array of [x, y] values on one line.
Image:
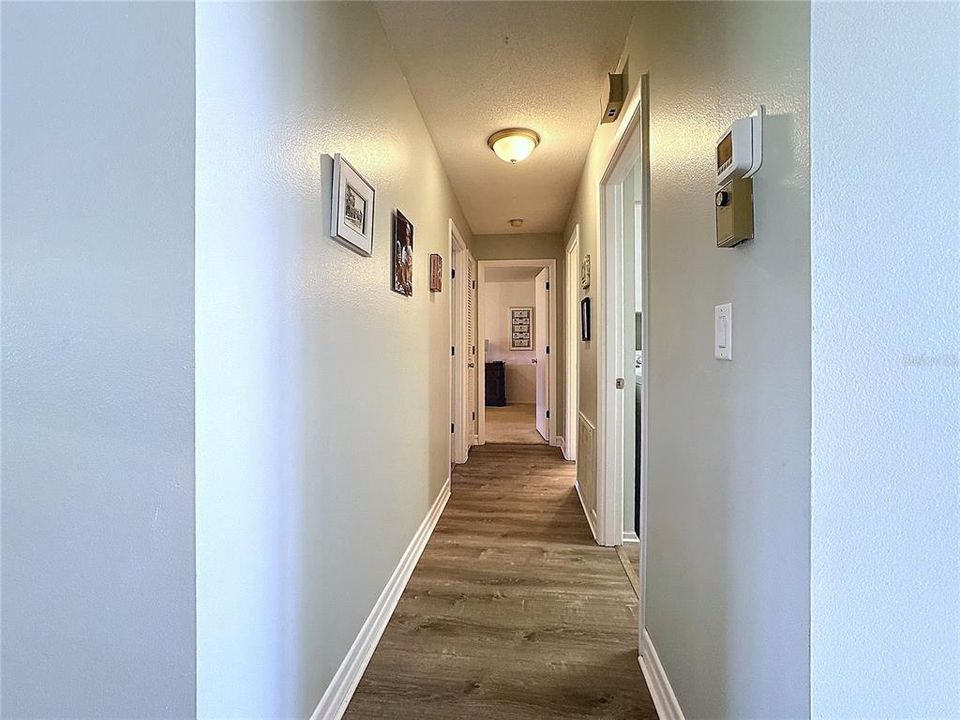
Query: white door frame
[[630, 145], [458, 325], [551, 266], [571, 344]]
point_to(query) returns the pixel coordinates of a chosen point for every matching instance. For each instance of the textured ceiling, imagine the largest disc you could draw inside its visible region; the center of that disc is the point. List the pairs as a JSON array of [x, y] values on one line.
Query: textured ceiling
[[477, 67]]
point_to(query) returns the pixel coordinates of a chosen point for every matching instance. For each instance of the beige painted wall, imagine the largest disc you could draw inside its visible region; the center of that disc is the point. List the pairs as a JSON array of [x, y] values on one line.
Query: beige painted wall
[[521, 373], [307, 362], [729, 507], [533, 246]]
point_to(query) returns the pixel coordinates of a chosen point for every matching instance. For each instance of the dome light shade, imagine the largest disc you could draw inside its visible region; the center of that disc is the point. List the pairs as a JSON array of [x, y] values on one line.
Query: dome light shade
[[513, 144]]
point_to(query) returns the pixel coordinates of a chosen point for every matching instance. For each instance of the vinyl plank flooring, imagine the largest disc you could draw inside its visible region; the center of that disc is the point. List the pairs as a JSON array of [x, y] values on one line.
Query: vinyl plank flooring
[[513, 612]]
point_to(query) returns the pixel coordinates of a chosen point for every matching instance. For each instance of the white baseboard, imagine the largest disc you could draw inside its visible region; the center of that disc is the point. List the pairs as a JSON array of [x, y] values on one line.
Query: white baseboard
[[586, 513], [337, 696], [630, 538], [557, 442], [663, 697]]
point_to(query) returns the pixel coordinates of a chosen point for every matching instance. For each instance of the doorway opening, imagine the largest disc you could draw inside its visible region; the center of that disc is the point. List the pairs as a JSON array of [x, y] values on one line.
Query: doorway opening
[[571, 314], [623, 375], [517, 323]]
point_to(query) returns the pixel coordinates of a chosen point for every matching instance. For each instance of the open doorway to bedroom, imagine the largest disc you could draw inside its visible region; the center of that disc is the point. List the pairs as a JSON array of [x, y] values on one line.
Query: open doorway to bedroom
[[517, 323]]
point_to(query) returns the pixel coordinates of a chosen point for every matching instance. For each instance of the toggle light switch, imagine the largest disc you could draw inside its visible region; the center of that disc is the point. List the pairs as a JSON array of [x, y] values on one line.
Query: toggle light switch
[[723, 332]]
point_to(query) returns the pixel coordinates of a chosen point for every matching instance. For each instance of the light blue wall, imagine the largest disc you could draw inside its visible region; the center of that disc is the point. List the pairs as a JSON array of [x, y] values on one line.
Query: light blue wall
[[885, 133], [323, 414], [97, 362], [728, 523]]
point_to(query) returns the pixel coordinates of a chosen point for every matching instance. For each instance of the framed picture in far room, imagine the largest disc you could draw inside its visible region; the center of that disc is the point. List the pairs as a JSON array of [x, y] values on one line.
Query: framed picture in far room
[[521, 328], [402, 255], [351, 207]]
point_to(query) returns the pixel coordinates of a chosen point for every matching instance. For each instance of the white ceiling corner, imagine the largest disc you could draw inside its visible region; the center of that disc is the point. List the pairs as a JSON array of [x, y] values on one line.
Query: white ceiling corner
[[477, 67]]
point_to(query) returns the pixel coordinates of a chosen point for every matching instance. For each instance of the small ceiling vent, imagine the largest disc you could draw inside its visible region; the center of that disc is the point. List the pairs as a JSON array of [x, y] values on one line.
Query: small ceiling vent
[[615, 96]]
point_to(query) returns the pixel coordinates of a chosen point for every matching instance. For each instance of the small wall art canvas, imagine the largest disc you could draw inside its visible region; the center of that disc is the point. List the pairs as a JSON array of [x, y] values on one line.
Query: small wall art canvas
[[436, 272], [521, 328], [352, 207], [402, 255]]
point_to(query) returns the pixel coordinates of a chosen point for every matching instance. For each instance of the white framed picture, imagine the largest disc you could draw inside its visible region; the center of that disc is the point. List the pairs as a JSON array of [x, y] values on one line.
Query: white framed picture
[[521, 328], [352, 207]]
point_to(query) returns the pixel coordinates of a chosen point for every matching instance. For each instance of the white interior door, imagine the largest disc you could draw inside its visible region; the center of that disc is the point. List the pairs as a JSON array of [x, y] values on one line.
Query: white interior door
[[541, 334], [470, 351], [456, 353]]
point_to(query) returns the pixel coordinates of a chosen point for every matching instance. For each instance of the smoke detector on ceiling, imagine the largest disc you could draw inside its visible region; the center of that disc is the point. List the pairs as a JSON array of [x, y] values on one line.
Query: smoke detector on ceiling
[[516, 222]]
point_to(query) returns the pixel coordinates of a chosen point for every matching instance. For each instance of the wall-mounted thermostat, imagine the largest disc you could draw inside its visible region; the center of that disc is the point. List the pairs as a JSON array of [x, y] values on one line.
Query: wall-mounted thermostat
[[740, 148], [739, 155], [734, 212]]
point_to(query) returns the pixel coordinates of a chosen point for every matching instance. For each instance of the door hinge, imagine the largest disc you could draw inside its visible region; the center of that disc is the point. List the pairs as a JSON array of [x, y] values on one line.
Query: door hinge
[[453, 350], [474, 350], [548, 349], [548, 285], [453, 273], [474, 284], [548, 414], [473, 415], [621, 384], [452, 428]]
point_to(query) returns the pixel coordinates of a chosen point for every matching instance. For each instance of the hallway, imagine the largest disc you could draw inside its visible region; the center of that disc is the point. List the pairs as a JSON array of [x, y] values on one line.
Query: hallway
[[513, 611], [513, 424]]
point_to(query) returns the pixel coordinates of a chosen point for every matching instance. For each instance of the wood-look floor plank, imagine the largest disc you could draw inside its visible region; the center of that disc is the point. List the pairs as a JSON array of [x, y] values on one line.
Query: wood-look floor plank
[[513, 612]]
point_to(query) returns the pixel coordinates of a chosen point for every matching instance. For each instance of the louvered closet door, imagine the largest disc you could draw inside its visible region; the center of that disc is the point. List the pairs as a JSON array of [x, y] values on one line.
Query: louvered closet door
[[471, 348]]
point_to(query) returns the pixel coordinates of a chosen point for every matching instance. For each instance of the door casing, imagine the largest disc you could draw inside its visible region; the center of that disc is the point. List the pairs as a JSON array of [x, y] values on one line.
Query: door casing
[[551, 265], [571, 345], [629, 147], [459, 375]]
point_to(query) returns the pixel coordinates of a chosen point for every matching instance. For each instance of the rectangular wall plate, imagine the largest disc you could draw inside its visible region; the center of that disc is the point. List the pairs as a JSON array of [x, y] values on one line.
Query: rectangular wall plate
[[723, 332]]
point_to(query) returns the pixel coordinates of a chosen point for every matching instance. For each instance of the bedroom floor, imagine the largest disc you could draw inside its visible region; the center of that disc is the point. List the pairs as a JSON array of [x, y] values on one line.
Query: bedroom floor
[[515, 423]]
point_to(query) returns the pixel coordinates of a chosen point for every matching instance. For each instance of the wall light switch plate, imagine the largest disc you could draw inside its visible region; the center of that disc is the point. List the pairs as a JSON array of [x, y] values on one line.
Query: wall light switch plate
[[723, 332]]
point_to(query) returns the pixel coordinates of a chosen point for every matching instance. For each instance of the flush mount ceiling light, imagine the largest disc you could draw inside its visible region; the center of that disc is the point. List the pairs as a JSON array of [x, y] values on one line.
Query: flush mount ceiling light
[[513, 144]]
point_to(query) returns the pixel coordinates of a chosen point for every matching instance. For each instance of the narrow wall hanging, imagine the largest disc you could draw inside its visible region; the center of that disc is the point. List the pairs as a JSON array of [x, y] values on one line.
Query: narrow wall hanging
[[436, 272], [521, 328], [585, 319], [402, 255]]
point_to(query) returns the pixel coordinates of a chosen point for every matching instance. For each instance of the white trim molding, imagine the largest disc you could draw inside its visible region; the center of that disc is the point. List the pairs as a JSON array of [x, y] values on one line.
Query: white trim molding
[[334, 702], [662, 693], [552, 396], [571, 343], [630, 537], [586, 513], [459, 382]]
